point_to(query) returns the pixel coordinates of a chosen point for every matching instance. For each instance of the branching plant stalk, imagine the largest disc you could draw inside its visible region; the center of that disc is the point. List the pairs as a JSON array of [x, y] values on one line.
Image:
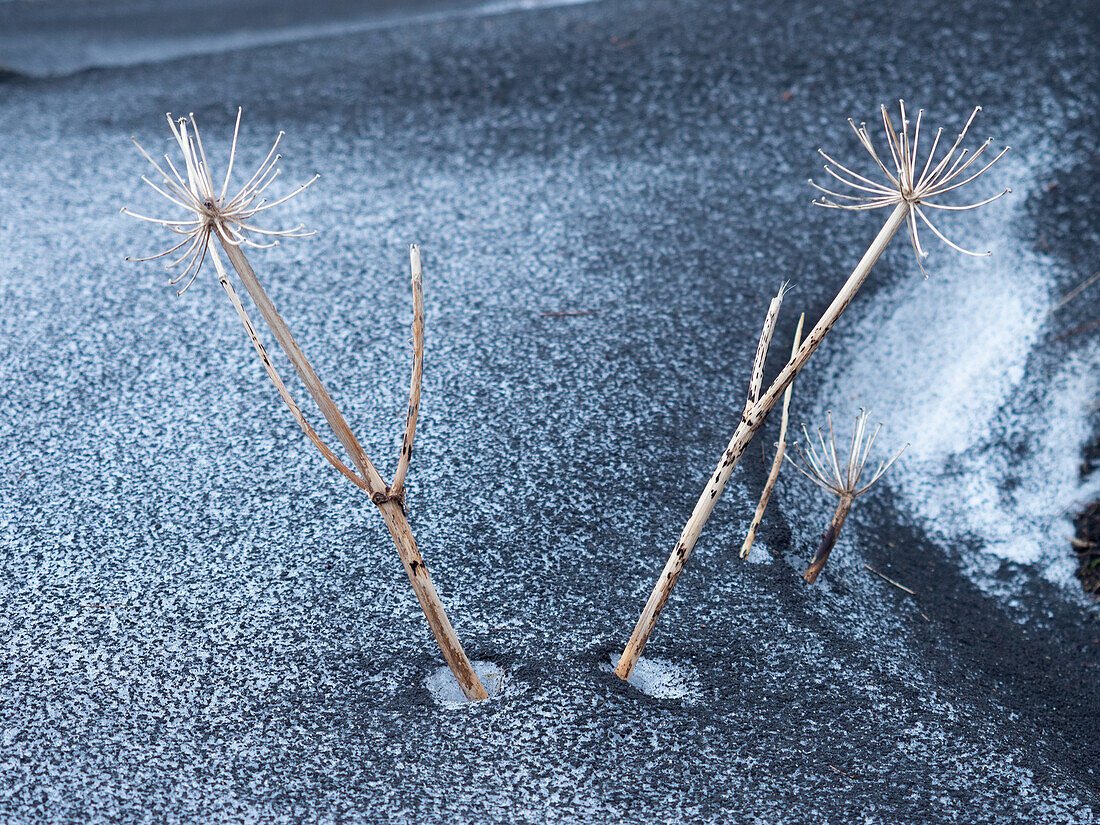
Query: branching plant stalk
[[780, 451], [208, 212], [404, 458], [389, 500], [751, 421]]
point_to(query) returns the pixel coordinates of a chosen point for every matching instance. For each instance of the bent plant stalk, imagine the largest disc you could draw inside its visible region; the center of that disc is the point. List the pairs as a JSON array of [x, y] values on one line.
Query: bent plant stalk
[[908, 191], [211, 213], [751, 420]]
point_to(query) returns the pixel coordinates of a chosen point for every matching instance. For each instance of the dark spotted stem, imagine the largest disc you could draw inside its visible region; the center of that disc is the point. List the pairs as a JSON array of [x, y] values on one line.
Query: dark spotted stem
[[388, 502], [751, 421], [829, 540]]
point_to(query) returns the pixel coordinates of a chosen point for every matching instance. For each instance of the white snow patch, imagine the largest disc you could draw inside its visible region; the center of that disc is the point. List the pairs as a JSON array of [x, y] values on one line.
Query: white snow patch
[[663, 680], [996, 424], [445, 690], [761, 551]]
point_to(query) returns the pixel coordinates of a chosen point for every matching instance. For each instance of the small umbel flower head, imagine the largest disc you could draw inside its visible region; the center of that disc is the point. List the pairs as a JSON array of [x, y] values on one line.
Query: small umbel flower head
[[844, 480], [907, 180], [207, 209]]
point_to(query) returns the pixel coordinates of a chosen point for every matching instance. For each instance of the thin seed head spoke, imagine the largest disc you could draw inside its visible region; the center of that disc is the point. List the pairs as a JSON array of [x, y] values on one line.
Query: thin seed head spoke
[[967, 206], [159, 254], [931, 155], [943, 238], [262, 170], [874, 189], [954, 148], [159, 221], [916, 140], [167, 178], [232, 155], [914, 236], [191, 250], [871, 149], [958, 168], [293, 194], [208, 184], [170, 195], [836, 164], [892, 142], [939, 190], [862, 207], [881, 471], [881, 200]]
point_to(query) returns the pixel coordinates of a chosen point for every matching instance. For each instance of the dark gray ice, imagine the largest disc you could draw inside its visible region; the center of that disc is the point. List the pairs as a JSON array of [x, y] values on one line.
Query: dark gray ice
[[203, 623]]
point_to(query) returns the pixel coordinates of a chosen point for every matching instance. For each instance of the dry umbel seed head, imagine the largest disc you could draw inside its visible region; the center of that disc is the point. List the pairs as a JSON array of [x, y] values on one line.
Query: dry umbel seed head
[[210, 214], [844, 479], [825, 469], [207, 209], [911, 183]]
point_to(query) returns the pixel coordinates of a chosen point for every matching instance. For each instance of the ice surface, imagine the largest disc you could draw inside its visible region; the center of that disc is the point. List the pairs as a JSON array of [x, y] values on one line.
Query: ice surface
[[62, 37], [203, 623]]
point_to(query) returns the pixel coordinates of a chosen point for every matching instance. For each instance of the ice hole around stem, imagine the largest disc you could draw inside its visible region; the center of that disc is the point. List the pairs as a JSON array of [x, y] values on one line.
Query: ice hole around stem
[[661, 679], [444, 688]]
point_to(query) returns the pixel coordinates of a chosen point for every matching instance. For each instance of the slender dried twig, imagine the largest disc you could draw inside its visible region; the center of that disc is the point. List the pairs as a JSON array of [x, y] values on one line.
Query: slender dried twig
[[898, 585], [909, 191], [284, 393], [405, 456], [780, 451], [208, 213], [757, 379], [1077, 290], [843, 479]]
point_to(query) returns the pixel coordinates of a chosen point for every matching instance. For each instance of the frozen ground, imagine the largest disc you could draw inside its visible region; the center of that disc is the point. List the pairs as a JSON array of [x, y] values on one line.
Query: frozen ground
[[203, 623]]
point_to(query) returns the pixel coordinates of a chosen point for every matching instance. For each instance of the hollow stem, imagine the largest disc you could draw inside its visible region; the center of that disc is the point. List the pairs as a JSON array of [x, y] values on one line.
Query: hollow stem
[[780, 451], [457, 660], [387, 501], [828, 542], [281, 387], [751, 421], [405, 456]]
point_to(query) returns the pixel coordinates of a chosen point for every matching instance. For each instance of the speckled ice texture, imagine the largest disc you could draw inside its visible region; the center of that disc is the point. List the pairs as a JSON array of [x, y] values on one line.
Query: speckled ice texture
[[202, 622]]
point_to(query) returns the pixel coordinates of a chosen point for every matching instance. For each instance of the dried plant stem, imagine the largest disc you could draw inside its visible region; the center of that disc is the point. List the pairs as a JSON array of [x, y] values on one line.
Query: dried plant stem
[[780, 451], [394, 514], [405, 456], [388, 500], [305, 371], [828, 542], [751, 420], [284, 393], [896, 584]]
